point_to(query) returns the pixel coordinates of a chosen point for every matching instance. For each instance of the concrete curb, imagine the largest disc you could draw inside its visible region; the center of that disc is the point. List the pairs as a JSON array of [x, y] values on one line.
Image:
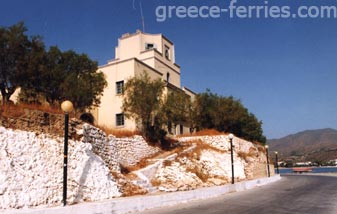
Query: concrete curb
[[140, 203]]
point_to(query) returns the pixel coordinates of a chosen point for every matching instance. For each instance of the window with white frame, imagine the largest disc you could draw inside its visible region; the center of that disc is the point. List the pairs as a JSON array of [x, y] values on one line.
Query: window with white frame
[[120, 119], [119, 87]]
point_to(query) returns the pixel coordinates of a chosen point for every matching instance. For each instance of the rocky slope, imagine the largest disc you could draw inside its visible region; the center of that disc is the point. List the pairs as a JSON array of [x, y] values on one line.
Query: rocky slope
[[206, 162]]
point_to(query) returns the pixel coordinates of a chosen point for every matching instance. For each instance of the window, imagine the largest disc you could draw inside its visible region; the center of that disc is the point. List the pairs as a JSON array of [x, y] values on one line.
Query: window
[[167, 52], [149, 46], [119, 119], [168, 77], [119, 87]]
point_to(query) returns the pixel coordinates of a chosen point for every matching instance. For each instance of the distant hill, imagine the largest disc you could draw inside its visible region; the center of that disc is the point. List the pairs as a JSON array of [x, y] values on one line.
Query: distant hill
[[312, 145]]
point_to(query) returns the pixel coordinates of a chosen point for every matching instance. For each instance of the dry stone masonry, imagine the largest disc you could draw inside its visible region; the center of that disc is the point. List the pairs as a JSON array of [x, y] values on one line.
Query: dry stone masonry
[[31, 165], [31, 171], [114, 151]]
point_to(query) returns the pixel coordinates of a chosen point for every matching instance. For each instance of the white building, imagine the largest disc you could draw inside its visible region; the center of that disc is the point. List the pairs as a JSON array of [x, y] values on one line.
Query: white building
[[137, 53]]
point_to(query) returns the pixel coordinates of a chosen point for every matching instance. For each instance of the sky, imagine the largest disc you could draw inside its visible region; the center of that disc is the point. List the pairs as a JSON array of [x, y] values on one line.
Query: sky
[[284, 70]]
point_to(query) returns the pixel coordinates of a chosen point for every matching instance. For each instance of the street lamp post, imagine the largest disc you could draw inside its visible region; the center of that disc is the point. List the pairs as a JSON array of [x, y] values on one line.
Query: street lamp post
[[67, 107], [266, 146], [276, 160], [231, 136]]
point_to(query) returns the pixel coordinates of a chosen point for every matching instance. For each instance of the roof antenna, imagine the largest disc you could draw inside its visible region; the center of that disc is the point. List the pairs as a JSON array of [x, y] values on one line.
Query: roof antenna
[[141, 13], [133, 5]]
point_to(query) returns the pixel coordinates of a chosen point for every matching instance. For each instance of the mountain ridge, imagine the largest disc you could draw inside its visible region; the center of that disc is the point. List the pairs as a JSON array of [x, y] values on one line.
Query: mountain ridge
[[316, 145], [304, 131]]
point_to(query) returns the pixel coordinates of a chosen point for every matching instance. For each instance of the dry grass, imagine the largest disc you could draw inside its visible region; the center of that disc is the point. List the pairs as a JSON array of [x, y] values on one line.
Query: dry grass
[[11, 111], [155, 182], [167, 163], [119, 133], [257, 143], [179, 149], [131, 176], [15, 111], [126, 186], [197, 171], [205, 146], [195, 153], [141, 164], [205, 132], [245, 155], [261, 148], [130, 189], [44, 108]]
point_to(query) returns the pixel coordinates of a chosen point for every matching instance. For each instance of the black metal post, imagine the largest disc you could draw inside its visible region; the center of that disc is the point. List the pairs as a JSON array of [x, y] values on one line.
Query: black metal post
[[65, 158], [267, 161], [232, 160], [276, 160]]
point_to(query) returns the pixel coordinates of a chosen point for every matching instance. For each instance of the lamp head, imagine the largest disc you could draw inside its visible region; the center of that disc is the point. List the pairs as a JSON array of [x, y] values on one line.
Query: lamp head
[[67, 106], [266, 146], [276, 153], [231, 136]]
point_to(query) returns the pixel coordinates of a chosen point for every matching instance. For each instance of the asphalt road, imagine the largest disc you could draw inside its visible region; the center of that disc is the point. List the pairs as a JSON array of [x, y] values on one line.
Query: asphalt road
[[292, 194]]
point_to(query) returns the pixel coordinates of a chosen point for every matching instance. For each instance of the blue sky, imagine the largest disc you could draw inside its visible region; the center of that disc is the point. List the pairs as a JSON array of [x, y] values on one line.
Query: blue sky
[[283, 70]]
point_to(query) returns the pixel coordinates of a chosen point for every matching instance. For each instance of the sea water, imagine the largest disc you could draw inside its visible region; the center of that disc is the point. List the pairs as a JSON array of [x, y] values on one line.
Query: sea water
[[314, 170]]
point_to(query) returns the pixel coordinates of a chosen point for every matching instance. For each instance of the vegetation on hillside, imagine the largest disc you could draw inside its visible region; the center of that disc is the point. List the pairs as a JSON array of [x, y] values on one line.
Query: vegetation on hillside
[[143, 101], [226, 114]]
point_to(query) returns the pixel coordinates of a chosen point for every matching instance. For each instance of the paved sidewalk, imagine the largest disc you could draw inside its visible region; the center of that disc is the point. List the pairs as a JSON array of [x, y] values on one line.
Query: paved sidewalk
[[140, 203]]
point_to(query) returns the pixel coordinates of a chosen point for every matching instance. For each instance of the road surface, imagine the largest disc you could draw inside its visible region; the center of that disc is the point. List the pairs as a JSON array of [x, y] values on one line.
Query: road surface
[[291, 195]]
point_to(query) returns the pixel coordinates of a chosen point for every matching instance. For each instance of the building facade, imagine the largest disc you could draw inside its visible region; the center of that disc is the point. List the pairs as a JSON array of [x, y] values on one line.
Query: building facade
[[135, 54]]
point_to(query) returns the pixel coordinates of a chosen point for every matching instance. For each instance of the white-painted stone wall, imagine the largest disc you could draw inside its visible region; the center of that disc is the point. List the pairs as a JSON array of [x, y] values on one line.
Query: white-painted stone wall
[[101, 146], [31, 171], [126, 151], [132, 150], [31, 165]]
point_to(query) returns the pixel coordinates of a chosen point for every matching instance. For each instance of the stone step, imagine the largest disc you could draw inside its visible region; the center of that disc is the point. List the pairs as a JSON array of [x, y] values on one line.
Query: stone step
[[144, 184], [140, 182], [153, 189]]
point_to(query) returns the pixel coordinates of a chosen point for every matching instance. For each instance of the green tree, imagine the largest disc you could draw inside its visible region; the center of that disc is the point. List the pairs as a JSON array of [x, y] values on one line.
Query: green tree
[[205, 107], [53, 75], [142, 102], [226, 114], [32, 87], [14, 51], [83, 85], [72, 76], [177, 109]]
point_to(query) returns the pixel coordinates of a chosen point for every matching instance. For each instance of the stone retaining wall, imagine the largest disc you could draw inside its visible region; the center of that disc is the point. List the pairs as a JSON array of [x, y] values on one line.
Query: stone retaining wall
[[127, 151], [114, 151], [33, 120], [31, 171], [132, 150]]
